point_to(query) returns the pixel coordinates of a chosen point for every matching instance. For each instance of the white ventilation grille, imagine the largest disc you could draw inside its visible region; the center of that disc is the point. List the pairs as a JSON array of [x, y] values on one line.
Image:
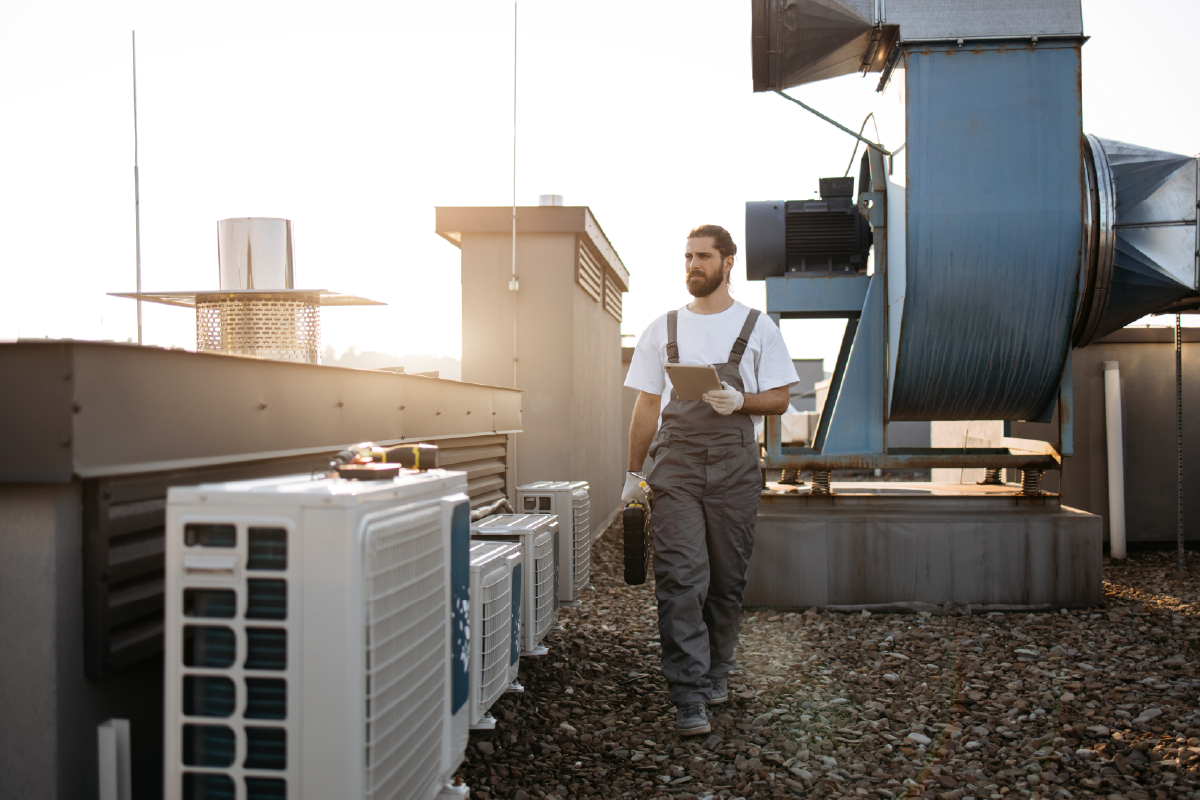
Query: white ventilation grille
[[280, 328], [612, 297], [545, 587], [590, 273], [496, 615], [403, 571], [581, 523], [235, 631]]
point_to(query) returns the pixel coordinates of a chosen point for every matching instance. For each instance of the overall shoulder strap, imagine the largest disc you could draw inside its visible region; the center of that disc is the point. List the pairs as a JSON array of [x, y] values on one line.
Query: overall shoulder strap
[[739, 346], [672, 330]]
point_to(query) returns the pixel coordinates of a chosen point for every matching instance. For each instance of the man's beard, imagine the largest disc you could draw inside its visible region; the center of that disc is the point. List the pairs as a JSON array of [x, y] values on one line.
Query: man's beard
[[704, 285]]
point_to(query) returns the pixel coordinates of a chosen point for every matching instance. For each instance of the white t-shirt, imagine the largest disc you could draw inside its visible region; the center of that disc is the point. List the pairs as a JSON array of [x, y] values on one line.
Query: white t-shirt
[[707, 339]]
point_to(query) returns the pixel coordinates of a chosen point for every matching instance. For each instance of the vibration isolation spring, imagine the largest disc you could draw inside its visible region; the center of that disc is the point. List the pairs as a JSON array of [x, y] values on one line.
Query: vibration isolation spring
[[1031, 482], [790, 477], [820, 481], [993, 477]]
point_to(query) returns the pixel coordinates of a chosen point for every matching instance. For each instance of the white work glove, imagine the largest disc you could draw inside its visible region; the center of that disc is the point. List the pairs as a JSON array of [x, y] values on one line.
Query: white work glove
[[633, 493], [726, 401]]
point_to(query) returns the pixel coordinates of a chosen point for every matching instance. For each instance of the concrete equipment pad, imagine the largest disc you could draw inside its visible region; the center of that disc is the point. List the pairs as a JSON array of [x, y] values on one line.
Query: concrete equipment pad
[[909, 544]]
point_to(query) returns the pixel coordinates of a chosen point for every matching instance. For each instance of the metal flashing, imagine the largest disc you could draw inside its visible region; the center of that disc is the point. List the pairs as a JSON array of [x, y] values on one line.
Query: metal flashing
[[91, 409]]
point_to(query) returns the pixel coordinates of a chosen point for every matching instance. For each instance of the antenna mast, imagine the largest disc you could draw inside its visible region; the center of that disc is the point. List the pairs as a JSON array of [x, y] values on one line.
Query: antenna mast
[[137, 208], [512, 283]]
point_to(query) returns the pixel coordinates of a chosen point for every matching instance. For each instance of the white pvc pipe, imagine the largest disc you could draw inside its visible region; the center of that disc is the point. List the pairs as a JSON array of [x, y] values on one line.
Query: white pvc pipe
[[1116, 459]]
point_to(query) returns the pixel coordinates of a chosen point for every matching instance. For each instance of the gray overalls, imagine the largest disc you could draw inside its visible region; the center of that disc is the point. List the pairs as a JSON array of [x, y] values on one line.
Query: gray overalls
[[707, 484]]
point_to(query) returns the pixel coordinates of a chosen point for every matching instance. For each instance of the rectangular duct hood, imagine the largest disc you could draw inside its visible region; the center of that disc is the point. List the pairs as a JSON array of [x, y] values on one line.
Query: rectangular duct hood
[[794, 42]]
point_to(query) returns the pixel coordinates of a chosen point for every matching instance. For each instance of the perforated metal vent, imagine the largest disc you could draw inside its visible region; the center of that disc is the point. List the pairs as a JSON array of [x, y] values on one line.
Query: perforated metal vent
[[281, 328], [406, 629]]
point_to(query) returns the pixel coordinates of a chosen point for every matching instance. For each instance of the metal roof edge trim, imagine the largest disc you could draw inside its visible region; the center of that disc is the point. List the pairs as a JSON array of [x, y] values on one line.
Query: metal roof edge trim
[[1148, 336], [1042, 38], [290, 364], [215, 461]]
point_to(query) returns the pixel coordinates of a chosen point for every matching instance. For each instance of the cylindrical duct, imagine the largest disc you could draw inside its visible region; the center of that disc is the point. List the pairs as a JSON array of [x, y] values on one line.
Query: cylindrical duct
[[1141, 235], [1116, 459], [255, 253]]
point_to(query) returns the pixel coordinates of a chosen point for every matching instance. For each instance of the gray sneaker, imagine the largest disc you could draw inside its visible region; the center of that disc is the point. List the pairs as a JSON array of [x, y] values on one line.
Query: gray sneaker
[[691, 719], [720, 689]]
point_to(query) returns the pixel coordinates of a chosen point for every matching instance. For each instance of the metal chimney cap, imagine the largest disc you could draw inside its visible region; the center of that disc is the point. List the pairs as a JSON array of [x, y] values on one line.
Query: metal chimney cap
[[255, 253], [550, 199]]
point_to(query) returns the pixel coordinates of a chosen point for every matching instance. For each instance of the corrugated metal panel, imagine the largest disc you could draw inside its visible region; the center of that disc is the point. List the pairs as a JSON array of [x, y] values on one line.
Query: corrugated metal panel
[[483, 458], [124, 520], [124, 523], [995, 230], [590, 273], [612, 297]]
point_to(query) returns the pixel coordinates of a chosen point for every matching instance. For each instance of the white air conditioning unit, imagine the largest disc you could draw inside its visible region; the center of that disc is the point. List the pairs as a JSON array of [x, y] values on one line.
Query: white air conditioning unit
[[317, 640], [494, 654], [536, 533], [569, 500]]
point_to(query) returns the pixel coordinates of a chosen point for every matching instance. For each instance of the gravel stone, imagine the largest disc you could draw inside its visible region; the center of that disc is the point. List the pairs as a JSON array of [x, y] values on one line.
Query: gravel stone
[[978, 706]]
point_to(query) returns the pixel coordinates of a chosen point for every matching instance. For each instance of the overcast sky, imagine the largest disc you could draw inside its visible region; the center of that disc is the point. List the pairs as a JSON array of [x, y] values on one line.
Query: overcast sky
[[356, 120]]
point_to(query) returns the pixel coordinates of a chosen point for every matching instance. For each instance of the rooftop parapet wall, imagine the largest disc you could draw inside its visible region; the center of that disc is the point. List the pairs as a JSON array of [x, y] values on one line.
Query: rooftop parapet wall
[[88, 409]]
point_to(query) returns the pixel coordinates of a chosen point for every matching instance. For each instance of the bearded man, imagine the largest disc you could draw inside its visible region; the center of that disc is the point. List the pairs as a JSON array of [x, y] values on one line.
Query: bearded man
[[705, 478]]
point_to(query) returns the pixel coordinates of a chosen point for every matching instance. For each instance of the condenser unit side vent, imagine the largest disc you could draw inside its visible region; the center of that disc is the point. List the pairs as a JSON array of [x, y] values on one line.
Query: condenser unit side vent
[[546, 587], [497, 621], [404, 576], [581, 524]]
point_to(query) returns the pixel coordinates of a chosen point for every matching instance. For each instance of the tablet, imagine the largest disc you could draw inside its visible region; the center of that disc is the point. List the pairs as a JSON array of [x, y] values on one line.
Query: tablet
[[691, 382]]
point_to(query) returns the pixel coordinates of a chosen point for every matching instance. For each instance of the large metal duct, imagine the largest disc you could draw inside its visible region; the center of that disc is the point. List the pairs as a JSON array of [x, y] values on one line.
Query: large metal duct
[[794, 42], [1143, 242], [994, 234], [1012, 238]]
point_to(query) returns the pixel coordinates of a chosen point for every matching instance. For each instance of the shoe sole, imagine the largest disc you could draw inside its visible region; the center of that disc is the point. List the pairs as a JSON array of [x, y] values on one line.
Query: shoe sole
[[703, 729], [716, 701]]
